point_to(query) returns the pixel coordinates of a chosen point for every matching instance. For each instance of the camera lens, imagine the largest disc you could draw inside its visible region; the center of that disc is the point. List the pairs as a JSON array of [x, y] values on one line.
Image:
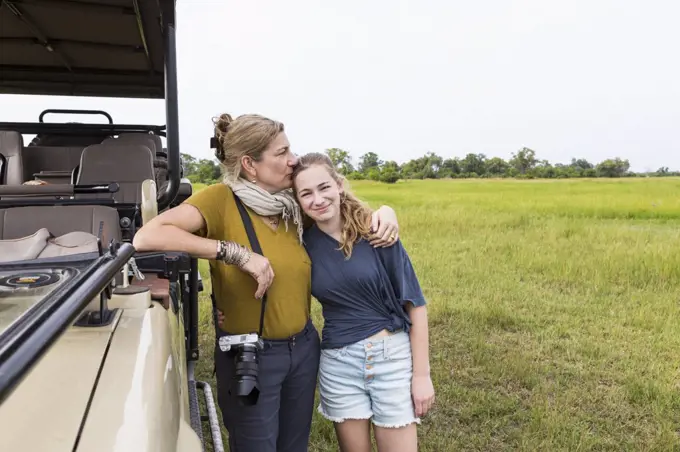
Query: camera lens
[[244, 385]]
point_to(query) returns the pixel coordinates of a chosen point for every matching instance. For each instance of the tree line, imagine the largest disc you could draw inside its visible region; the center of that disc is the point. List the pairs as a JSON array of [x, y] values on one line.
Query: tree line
[[524, 164]]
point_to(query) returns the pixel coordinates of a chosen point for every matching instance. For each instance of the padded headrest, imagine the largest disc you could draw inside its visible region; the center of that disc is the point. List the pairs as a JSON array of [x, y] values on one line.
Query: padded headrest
[[152, 141], [11, 143]]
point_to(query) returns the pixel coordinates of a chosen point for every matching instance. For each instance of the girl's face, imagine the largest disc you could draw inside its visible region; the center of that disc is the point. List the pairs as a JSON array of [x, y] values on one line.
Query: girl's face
[[318, 193]]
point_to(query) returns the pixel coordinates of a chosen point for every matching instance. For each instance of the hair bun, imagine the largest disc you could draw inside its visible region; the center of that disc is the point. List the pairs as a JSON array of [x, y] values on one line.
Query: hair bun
[[221, 128], [222, 123]]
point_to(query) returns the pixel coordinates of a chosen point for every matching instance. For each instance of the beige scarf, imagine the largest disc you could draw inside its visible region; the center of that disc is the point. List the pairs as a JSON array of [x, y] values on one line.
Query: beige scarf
[[264, 203]]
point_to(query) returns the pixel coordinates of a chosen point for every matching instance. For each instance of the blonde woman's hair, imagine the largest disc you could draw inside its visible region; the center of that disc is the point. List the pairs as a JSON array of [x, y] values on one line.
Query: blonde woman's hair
[[248, 135], [355, 214]]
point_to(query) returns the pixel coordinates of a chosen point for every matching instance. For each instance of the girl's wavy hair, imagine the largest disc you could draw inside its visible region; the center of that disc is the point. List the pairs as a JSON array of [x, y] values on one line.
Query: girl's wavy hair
[[355, 214], [246, 135]]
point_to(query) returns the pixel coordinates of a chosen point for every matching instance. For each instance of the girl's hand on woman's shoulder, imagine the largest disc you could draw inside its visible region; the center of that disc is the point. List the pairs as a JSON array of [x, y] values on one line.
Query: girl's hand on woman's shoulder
[[385, 227]]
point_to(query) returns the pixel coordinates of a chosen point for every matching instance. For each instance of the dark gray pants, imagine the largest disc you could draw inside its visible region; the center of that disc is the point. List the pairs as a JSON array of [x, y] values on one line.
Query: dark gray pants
[[281, 420]]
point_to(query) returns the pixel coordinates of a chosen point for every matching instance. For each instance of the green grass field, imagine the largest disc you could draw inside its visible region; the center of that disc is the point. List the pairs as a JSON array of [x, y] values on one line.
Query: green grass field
[[554, 312]]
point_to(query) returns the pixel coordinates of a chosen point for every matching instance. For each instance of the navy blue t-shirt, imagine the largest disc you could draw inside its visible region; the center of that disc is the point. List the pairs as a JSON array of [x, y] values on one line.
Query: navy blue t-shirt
[[364, 294]]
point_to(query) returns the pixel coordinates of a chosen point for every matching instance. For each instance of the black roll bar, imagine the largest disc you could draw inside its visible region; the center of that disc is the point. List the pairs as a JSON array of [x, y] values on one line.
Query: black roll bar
[[25, 343], [172, 117], [75, 112], [79, 129]]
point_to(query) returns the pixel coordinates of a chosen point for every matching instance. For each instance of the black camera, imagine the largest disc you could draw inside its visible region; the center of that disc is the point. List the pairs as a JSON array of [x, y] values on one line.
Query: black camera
[[244, 348]]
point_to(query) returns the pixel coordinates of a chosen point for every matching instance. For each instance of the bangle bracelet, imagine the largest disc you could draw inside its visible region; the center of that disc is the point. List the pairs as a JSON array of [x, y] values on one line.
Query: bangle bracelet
[[232, 253], [221, 250]]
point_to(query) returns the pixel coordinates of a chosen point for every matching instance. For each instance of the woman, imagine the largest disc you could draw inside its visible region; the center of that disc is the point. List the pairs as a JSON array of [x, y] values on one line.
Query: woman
[[258, 163], [374, 351]]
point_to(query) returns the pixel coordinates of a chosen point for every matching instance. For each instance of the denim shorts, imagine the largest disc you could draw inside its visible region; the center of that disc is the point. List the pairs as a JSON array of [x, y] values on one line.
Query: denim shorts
[[370, 379]]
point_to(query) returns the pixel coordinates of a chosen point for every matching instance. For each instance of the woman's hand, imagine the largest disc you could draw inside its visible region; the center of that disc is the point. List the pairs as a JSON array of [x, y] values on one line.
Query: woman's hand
[[422, 391], [220, 318], [259, 268], [385, 227]]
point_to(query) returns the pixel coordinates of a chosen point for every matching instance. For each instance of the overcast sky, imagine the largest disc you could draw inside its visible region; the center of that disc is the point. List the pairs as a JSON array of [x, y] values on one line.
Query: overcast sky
[[584, 78]]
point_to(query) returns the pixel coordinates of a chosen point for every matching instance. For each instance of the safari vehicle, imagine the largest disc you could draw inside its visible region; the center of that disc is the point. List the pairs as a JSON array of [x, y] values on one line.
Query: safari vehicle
[[98, 343]]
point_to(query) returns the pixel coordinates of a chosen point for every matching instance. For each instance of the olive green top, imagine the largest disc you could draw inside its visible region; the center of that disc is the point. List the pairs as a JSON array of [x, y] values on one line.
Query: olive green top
[[289, 296]]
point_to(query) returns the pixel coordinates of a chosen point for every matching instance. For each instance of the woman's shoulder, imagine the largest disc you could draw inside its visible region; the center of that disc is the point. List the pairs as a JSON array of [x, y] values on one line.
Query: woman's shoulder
[[212, 194], [217, 188]]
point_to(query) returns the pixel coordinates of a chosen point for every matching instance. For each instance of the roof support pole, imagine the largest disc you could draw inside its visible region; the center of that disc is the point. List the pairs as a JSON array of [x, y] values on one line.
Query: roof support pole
[[172, 117]]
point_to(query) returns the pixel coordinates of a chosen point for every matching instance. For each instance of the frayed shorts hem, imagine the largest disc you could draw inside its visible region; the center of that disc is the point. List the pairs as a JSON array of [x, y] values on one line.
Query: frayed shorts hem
[[340, 420], [395, 425]]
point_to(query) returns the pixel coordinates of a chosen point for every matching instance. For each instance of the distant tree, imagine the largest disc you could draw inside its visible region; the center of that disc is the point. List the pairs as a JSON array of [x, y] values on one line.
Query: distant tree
[[581, 163], [425, 167], [523, 160], [496, 166], [341, 160], [389, 174], [369, 161], [391, 166], [615, 167], [206, 171], [473, 163], [432, 165], [373, 173], [544, 170], [189, 164], [449, 168]]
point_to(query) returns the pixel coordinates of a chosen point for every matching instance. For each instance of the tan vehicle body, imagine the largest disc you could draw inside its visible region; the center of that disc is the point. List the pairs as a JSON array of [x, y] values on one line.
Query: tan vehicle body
[[133, 370]]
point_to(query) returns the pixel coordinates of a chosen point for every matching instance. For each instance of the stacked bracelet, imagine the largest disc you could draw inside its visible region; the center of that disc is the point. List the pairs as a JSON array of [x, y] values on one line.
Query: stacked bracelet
[[232, 253]]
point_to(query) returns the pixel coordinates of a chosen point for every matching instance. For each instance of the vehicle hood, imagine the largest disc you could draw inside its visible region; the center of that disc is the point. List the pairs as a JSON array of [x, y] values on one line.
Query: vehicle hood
[[113, 388], [45, 411]]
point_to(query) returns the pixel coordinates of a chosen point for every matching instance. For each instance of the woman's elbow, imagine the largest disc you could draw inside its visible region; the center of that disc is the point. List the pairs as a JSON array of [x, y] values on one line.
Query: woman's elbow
[[142, 239]]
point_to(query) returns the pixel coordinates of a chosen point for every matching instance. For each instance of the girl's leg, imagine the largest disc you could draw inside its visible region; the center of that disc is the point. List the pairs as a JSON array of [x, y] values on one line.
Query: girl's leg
[[344, 399], [401, 439], [354, 435], [390, 389]]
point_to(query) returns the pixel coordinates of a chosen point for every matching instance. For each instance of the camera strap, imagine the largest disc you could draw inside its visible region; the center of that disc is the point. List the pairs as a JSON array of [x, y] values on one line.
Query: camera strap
[[255, 245]]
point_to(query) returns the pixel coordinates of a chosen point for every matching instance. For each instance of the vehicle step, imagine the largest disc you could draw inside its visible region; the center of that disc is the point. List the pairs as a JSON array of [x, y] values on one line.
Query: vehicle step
[[195, 411]]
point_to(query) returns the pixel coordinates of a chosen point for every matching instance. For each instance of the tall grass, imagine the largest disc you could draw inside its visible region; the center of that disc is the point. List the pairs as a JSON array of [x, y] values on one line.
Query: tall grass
[[553, 312]]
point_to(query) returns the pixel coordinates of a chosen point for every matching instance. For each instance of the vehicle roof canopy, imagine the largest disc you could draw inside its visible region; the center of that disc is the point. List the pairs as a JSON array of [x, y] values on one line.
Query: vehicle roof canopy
[[101, 48]]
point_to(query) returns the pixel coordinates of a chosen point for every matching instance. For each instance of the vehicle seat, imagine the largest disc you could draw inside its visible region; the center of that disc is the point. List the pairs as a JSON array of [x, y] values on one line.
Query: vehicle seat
[[11, 147], [128, 165], [52, 164], [101, 221], [154, 143]]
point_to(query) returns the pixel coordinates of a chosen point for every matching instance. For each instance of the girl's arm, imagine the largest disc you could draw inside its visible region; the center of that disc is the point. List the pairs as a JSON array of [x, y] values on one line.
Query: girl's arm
[[409, 296], [422, 388]]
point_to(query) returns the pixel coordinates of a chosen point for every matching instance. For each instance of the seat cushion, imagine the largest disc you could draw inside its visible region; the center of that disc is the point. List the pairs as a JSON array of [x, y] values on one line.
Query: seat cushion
[[100, 221], [42, 244]]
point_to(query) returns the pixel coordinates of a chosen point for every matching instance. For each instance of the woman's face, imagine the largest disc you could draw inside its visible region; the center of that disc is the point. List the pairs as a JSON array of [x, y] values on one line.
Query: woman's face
[[274, 170], [318, 193]]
